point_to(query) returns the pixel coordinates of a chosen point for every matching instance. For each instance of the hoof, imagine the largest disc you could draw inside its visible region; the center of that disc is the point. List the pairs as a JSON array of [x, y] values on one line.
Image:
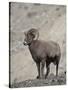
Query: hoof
[[38, 77]]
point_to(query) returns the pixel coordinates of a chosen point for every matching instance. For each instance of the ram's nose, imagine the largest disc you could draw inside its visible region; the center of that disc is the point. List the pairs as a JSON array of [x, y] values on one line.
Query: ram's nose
[[24, 43]]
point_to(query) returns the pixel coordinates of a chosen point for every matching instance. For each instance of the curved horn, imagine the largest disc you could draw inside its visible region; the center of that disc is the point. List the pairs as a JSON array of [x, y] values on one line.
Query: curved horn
[[35, 33]]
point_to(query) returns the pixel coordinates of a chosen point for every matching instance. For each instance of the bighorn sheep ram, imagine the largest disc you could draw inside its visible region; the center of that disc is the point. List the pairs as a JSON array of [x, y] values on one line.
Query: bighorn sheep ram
[[42, 52]]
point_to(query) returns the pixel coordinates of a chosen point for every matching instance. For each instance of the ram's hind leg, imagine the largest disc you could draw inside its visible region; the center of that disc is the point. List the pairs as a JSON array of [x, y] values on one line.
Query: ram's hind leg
[[57, 64], [56, 69]]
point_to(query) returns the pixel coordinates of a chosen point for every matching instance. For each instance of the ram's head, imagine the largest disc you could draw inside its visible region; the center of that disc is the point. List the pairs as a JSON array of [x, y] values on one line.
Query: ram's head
[[30, 35]]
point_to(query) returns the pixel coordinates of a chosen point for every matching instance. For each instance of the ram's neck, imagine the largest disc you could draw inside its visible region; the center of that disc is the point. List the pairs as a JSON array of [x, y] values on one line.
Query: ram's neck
[[33, 46]]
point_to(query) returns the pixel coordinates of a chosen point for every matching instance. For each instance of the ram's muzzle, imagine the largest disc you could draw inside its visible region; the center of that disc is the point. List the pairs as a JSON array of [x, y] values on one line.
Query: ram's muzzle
[[25, 43]]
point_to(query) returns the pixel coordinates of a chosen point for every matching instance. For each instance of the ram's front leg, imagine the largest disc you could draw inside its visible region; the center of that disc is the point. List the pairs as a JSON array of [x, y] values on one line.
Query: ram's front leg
[[38, 68], [42, 64], [48, 69]]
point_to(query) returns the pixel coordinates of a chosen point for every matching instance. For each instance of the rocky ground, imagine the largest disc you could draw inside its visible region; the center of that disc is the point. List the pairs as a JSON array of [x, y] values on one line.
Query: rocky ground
[[51, 80], [50, 20]]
